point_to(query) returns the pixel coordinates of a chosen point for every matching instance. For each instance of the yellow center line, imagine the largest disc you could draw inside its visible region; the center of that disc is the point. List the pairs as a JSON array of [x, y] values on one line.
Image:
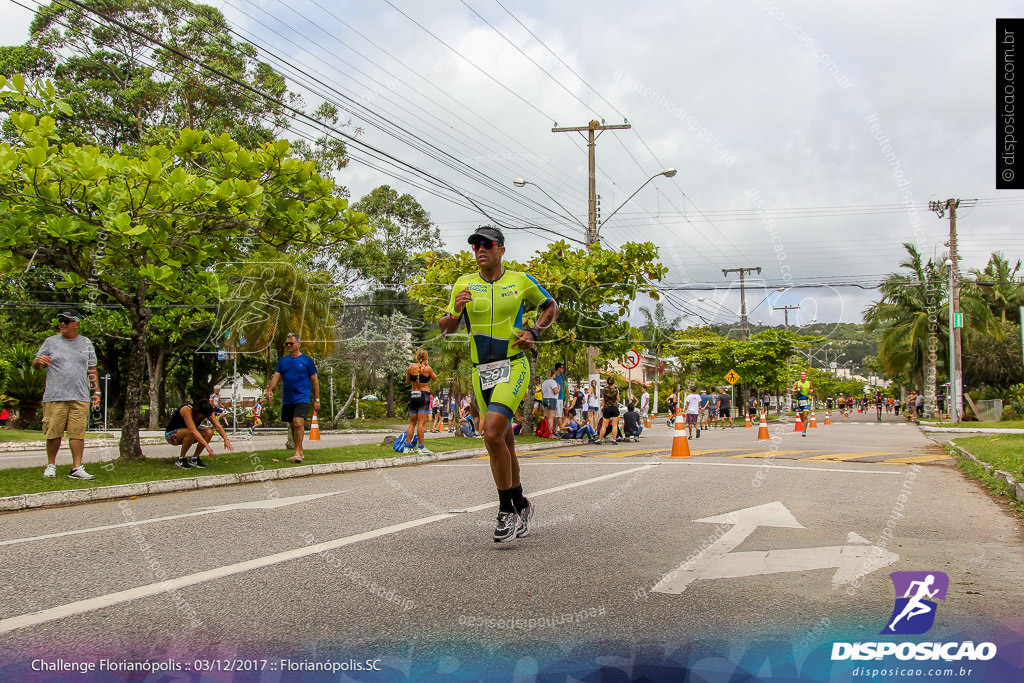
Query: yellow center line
[[840, 457], [562, 454], [625, 454], [917, 458]]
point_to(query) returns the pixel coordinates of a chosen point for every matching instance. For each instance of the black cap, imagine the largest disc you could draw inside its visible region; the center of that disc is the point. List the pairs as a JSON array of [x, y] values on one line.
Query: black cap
[[488, 233], [70, 314]]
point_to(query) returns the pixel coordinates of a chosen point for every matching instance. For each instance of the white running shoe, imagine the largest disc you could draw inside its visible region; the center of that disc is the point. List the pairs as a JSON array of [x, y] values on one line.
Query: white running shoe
[[50, 471], [80, 473], [423, 450]]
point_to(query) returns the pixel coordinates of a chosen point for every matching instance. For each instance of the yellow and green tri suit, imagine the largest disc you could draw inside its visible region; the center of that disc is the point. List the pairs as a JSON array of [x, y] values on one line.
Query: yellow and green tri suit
[[803, 395], [493, 319]]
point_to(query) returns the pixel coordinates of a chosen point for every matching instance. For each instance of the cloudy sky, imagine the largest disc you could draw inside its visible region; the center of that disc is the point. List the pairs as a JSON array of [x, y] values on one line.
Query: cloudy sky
[[809, 137]]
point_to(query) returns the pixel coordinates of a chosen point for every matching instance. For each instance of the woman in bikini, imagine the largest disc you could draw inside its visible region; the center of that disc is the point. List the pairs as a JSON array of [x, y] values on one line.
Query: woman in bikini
[[419, 375]]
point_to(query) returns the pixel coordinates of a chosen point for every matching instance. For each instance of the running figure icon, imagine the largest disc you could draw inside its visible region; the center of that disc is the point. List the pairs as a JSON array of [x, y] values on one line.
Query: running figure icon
[[914, 606]]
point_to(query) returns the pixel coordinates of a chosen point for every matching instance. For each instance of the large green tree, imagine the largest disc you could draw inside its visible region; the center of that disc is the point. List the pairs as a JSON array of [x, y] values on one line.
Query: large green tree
[[128, 91], [135, 227]]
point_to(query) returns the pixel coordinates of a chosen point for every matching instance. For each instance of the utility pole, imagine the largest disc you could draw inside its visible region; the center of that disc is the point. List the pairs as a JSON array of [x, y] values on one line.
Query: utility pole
[[786, 310], [956, 385], [593, 130], [744, 328]]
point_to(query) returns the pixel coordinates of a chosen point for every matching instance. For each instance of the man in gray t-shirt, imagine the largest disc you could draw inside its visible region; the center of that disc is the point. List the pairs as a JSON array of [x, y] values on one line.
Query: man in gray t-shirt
[[70, 362]]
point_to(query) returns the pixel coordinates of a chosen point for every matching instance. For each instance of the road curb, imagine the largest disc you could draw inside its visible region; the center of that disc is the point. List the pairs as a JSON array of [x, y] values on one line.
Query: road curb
[[963, 430], [17, 446], [31, 501], [1015, 488]]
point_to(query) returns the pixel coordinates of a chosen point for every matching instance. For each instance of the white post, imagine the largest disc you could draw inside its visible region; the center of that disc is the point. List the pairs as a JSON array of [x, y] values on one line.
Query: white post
[[106, 381], [234, 394]]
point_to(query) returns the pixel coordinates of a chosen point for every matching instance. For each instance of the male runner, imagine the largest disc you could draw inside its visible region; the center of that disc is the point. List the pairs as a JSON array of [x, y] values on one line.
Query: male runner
[[492, 302], [803, 391]]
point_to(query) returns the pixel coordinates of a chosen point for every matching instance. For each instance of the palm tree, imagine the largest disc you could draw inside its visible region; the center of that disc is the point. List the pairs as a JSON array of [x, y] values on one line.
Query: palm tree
[[1003, 291], [657, 331], [913, 315], [272, 295], [25, 384]]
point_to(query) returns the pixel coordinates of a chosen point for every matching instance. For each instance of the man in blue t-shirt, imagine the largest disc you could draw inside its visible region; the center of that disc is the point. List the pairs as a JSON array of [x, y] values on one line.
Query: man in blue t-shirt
[[298, 374]]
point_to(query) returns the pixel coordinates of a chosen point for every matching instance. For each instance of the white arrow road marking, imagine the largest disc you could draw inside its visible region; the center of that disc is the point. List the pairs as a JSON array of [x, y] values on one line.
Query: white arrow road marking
[[103, 601], [718, 562], [230, 507]]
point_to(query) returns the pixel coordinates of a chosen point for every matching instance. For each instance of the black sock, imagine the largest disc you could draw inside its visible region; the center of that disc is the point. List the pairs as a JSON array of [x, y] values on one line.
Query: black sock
[[505, 501], [518, 500]]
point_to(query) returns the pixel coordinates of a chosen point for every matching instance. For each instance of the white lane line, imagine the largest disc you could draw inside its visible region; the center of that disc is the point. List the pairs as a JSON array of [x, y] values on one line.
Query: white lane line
[[680, 463], [104, 601], [262, 504]]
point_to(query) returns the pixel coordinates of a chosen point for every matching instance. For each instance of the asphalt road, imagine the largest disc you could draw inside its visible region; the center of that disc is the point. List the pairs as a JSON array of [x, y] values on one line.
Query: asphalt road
[[406, 570]]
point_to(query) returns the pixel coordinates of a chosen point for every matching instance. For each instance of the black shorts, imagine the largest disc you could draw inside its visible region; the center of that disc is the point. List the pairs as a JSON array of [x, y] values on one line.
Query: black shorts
[[724, 412], [290, 411], [610, 411], [418, 401], [550, 403]]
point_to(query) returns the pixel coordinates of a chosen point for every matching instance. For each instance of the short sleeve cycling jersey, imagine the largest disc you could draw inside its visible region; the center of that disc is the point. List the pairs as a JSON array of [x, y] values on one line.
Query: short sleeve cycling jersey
[[495, 315]]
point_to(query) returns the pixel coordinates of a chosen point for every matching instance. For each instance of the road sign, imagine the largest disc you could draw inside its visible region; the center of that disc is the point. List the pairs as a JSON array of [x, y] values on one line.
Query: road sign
[[222, 354], [719, 562], [958, 320], [632, 359], [731, 377]]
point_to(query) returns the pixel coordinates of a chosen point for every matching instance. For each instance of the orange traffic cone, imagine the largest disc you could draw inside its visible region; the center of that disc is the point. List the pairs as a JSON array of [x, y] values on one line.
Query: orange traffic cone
[[680, 444], [798, 426], [442, 428], [314, 430], [747, 422], [647, 422], [814, 422], [828, 417], [762, 431]]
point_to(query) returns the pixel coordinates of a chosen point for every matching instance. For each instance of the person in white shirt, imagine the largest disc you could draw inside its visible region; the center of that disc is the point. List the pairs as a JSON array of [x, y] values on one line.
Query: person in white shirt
[[691, 404], [549, 395], [645, 404], [593, 404]]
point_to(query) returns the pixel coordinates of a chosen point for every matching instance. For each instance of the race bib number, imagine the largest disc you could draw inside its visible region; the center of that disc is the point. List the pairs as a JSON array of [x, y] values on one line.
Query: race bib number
[[803, 402], [493, 374]]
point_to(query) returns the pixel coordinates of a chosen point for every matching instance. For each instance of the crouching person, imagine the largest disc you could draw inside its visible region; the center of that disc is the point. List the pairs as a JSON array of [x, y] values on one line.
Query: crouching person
[[183, 430]]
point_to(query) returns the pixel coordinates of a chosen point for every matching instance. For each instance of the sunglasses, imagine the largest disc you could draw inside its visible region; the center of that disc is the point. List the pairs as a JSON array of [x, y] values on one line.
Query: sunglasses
[[64, 321], [485, 244], [289, 343]]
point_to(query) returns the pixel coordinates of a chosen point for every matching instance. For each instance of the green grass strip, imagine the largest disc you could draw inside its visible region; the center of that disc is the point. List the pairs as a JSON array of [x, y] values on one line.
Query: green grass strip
[[21, 480], [1002, 451]]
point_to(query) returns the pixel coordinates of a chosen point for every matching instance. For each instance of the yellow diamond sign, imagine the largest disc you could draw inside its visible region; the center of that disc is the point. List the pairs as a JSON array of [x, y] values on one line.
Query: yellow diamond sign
[[731, 377]]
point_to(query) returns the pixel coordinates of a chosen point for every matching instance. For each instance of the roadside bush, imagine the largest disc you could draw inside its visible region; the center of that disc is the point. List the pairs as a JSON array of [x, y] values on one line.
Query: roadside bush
[[1010, 413]]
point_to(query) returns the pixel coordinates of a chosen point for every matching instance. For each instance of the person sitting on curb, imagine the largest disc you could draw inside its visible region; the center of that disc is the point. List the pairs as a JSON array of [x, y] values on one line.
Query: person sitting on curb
[[631, 427], [576, 430], [183, 430]]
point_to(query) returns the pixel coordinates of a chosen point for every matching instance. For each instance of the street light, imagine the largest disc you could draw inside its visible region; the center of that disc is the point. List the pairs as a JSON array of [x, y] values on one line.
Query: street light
[[523, 182], [668, 173], [593, 238]]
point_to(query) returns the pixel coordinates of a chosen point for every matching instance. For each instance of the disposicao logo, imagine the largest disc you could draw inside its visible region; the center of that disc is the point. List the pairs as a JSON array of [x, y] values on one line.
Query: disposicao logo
[[912, 614]]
